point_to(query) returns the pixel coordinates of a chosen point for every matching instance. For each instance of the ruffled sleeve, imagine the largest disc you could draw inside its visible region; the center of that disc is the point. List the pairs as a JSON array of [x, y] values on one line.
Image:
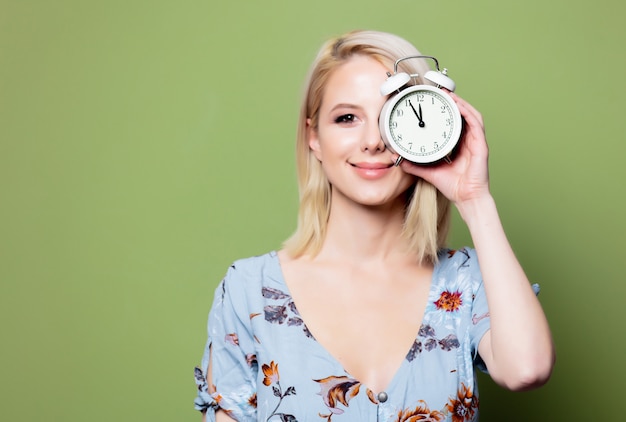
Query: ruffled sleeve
[[230, 348]]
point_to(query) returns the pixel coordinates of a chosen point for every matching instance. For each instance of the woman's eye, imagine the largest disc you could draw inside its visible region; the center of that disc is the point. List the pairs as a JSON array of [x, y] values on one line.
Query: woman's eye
[[345, 118]]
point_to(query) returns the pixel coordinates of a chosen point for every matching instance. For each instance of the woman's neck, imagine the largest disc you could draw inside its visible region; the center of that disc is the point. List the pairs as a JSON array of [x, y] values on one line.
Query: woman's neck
[[356, 232]]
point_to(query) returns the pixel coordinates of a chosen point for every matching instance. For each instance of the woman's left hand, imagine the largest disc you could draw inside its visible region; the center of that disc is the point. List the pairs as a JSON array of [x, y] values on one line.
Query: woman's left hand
[[467, 176]]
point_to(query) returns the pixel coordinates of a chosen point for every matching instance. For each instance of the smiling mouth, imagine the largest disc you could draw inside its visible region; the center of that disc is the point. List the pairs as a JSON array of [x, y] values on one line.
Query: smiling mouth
[[372, 166]]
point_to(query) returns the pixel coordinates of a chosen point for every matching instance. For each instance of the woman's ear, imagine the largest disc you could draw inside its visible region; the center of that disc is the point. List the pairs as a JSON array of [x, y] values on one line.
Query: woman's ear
[[314, 142]]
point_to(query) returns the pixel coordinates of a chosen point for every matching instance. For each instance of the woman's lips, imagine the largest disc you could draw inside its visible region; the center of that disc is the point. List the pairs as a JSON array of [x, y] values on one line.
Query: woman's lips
[[371, 170]]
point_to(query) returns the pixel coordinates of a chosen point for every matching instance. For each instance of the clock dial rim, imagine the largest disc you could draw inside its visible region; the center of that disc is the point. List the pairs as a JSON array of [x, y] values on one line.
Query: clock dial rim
[[393, 144]]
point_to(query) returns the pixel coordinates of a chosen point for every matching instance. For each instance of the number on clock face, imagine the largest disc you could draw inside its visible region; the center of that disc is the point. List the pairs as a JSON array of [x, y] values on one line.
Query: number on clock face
[[422, 123]]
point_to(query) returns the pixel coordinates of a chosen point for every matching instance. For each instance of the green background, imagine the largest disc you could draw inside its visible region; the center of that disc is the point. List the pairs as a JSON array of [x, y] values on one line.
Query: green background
[[144, 145]]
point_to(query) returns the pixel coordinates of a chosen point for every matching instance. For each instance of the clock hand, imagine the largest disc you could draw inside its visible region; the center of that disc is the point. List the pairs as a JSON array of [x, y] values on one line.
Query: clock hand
[[419, 116]]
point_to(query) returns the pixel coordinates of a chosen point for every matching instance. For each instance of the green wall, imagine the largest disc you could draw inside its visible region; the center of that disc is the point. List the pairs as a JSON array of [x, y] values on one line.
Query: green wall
[[144, 145]]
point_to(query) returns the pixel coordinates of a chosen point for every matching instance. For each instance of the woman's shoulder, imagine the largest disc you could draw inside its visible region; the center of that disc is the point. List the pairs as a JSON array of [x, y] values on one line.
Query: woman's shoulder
[[253, 270], [459, 266], [246, 278], [254, 262], [464, 257]]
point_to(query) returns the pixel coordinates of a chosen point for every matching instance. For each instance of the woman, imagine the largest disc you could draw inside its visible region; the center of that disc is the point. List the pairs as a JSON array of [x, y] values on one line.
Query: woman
[[364, 315]]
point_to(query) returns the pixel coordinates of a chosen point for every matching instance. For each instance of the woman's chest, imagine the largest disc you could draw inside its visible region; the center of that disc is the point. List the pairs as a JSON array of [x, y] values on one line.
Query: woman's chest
[[299, 378], [366, 322]]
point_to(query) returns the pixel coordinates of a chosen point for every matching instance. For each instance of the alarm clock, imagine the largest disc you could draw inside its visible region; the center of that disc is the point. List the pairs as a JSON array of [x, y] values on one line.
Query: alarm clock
[[421, 123]]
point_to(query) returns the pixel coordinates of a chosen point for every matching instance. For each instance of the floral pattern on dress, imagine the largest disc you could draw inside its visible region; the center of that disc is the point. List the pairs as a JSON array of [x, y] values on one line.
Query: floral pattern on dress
[[420, 413], [284, 311], [337, 390], [464, 252], [463, 407], [427, 340], [205, 400], [449, 301], [272, 378]]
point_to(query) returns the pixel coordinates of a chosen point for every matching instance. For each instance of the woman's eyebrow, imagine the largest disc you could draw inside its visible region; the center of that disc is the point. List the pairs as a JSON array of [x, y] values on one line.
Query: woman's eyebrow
[[346, 106]]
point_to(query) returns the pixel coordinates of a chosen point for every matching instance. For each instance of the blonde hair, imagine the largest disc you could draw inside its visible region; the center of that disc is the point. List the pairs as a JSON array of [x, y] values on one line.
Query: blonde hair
[[427, 216]]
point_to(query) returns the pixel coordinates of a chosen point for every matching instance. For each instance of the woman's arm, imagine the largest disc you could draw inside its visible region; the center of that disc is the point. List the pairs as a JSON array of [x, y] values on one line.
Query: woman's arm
[[220, 416], [518, 349]]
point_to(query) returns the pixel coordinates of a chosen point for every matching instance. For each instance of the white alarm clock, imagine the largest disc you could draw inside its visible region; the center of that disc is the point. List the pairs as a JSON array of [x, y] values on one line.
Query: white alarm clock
[[421, 123]]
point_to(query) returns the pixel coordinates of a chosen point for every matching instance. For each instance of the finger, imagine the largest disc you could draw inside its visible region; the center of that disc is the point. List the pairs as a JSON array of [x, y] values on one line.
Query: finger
[[473, 122], [422, 172], [474, 126], [468, 108]]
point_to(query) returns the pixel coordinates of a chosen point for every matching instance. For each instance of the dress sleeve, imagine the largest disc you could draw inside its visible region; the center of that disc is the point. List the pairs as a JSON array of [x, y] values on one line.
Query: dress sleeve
[[481, 322], [230, 349]]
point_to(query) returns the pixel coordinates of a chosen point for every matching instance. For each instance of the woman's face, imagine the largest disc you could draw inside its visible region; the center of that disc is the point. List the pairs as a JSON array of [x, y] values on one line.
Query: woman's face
[[347, 140]]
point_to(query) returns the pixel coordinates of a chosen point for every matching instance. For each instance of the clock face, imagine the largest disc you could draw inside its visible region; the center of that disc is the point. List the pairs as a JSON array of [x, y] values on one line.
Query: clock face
[[423, 124]]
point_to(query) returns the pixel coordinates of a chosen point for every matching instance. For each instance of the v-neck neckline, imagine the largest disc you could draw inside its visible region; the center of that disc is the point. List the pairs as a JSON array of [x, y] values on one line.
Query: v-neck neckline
[[330, 356]]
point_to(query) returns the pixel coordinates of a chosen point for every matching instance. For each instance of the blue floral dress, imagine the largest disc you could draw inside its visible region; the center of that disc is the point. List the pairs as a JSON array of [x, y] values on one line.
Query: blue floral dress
[[266, 365]]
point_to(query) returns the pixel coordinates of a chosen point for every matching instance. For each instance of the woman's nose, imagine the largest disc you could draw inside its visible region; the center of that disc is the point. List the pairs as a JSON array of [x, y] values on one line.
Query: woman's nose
[[372, 140]]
